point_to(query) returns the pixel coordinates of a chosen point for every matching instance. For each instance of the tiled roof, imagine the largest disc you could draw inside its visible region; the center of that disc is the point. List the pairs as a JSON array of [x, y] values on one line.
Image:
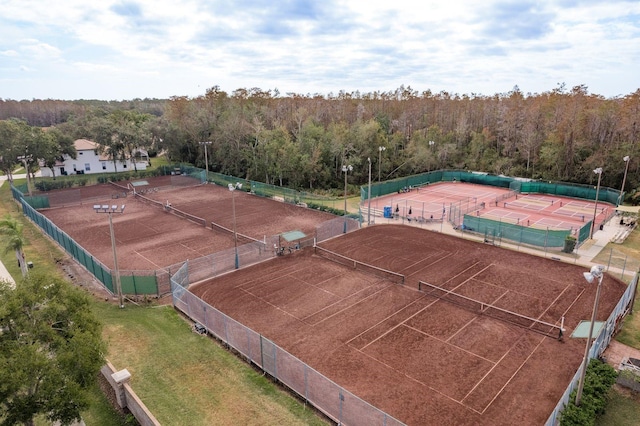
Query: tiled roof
[[85, 144]]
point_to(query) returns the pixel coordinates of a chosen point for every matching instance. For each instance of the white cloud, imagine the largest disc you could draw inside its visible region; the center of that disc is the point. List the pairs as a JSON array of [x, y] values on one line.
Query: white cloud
[[163, 47]]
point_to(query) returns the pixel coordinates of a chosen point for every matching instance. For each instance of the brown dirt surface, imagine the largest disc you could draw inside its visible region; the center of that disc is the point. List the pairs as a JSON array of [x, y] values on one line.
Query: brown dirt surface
[[419, 358], [148, 237]]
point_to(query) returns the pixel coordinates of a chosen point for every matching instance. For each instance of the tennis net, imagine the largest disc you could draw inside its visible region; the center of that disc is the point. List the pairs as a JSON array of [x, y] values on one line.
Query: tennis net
[[148, 200], [488, 309], [169, 208], [220, 228], [356, 264]]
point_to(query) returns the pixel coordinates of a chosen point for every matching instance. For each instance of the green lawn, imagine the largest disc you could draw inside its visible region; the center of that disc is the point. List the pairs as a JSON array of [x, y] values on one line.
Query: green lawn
[[624, 406], [185, 378], [623, 409], [629, 250]]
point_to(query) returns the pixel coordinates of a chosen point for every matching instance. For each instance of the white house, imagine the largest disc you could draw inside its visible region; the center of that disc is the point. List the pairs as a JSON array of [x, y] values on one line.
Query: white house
[[90, 160]]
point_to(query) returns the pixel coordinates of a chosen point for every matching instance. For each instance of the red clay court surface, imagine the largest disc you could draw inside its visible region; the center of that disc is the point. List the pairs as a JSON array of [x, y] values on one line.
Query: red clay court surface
[[419, 358], [540, 211], [150, 238]]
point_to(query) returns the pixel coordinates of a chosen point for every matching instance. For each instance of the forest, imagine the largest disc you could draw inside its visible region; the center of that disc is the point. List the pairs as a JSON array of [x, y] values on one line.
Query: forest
[[302, 141]]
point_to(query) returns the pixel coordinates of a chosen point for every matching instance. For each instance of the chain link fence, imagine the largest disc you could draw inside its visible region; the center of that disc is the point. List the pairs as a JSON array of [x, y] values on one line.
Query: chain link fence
[[327, 396], [600, 343]]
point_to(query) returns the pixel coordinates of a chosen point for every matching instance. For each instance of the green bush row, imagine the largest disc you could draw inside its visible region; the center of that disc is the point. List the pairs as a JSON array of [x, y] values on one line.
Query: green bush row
[[338, 212], [599, 379], [116, 177], [50, 185]]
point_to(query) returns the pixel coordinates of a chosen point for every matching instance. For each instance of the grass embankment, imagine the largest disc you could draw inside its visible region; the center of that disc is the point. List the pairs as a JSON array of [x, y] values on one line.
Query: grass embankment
[[630, 333], [184, 378], [624, 405], [623, 408]]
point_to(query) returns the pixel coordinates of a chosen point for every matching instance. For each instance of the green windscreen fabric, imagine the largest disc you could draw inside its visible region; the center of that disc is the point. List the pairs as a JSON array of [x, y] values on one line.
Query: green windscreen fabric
[[513, 232]]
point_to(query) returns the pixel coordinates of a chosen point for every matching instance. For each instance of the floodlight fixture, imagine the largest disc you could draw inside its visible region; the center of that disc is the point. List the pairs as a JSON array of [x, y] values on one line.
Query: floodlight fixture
[[206, 159], [346, 169], [597, 271], [380, 149], [110, 209], [233, 188], [597, 171], [369, 194], [624, 179]]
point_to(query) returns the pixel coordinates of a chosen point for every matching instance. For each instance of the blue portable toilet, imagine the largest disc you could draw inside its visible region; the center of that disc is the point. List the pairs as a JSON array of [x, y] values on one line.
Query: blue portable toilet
[[387, 212]]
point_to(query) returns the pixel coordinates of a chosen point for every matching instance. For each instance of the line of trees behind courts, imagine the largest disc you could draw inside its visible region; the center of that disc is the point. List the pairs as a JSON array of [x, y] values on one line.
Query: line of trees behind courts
[[302, 141]]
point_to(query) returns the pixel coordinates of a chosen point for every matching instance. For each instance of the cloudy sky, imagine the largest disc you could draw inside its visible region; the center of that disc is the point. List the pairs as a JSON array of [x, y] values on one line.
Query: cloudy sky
[[126, 49]]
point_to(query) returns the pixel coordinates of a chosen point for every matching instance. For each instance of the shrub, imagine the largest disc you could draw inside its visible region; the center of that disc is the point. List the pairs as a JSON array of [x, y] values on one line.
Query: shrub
[[569, 244], [595, 395]]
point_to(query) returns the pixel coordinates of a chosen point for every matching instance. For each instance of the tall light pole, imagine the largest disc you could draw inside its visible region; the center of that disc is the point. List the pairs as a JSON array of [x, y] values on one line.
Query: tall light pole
[[24, 159], [206, 159], [597, 171], [597, 271], [624, 179], [110, 210], [233, 188], [380, 149], [431, 144], [369, 195], [346, 169]]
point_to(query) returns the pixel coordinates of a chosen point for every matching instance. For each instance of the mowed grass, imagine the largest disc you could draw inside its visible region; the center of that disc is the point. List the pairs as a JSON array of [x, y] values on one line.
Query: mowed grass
[[185, 378], [623, 408], [624, 405], [630, 333]]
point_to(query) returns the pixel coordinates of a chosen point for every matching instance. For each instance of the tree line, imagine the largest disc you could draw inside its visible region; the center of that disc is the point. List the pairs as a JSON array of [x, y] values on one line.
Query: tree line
[[302, 141]]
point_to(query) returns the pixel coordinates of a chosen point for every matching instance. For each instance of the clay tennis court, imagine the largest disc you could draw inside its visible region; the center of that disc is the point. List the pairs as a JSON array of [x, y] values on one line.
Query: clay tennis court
[[542, 211], [422, 359], [149, 237]]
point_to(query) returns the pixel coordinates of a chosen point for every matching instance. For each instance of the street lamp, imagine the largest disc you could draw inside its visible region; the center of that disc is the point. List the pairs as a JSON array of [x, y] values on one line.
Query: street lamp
[[346, 169], [110, 209], [206, 159], [624, 179], [597, 171], [24, 159], [380, 149], [369, 195], [233, 188], [597, 271]]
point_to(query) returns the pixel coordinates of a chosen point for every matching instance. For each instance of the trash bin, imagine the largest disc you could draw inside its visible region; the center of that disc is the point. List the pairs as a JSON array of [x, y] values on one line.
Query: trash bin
[[387, 212], [601, 226]]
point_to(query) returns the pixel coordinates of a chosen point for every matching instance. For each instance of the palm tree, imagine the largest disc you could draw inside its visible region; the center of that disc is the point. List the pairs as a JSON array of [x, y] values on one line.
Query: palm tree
[[13, 229]]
